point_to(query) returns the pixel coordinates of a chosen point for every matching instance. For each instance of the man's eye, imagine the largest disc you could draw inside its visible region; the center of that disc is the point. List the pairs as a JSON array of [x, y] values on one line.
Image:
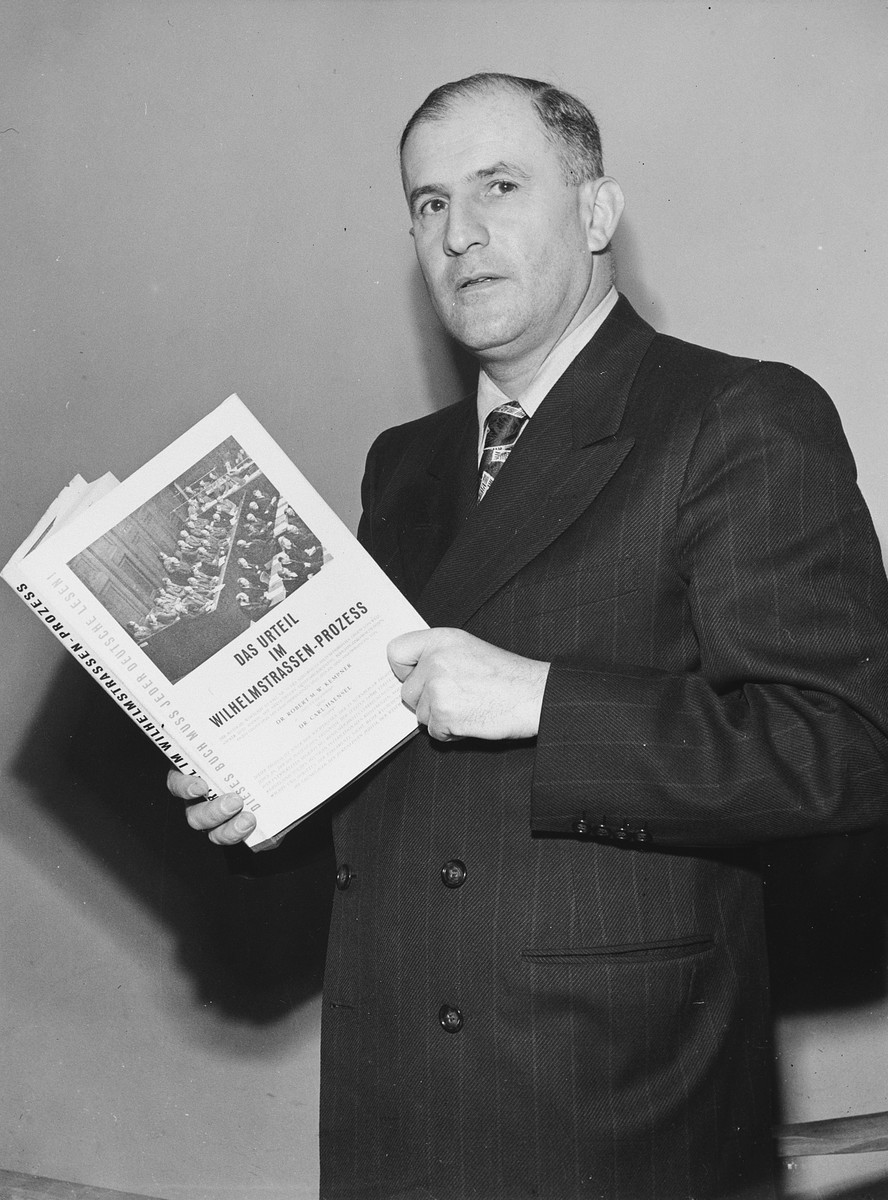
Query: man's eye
[[502, 187], [433, 205]]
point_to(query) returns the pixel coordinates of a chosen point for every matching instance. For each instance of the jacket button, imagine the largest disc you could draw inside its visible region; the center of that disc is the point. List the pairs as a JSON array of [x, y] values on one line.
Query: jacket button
[[581, 827], [344, 876], [604, 831], [451, 1018], [453, 873]]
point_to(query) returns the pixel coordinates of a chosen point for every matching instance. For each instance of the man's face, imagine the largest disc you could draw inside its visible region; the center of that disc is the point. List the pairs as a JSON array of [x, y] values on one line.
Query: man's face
[[501, 237]]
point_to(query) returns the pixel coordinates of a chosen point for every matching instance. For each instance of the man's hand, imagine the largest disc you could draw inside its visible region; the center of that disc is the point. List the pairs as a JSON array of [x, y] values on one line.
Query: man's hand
[[223, 819], [459, 686]]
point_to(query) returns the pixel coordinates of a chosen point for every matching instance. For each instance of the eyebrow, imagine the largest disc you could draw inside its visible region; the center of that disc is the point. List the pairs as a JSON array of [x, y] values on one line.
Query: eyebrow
[[498, 168]]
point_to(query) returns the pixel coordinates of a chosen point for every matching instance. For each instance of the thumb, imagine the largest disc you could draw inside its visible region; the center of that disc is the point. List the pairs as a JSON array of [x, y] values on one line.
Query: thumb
[[405, 651]]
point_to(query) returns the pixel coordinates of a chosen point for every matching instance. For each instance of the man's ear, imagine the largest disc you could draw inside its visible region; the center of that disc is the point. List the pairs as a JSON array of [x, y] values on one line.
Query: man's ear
[[603, 203]]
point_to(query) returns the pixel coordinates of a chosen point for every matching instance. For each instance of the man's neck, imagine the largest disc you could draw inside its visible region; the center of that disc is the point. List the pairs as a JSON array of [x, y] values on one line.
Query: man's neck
[[514, 375], [513, 379]]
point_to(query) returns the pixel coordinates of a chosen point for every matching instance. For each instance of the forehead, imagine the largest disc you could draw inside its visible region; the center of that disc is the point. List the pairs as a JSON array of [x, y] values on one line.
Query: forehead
[[474, 133]]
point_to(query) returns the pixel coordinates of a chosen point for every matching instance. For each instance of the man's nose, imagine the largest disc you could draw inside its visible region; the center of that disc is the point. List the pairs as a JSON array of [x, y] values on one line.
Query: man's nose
[[464, 228]]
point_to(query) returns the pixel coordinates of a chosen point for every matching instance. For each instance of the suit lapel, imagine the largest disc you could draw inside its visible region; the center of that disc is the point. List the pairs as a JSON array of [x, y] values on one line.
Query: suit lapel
[[430, 494], [567, 454]]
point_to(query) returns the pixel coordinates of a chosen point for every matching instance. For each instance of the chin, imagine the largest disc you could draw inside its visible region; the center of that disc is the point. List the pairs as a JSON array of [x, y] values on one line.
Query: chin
[[482, 337]]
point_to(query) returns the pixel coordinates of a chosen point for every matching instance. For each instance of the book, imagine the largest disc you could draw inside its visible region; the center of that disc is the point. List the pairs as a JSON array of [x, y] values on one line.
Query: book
[[230, 613]]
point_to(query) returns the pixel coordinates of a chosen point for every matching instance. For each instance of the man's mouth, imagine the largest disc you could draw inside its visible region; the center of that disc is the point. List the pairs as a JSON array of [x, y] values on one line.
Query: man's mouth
[[475, 281]]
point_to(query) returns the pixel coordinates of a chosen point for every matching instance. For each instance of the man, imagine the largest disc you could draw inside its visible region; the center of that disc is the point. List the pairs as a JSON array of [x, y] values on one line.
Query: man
[[657, 640]]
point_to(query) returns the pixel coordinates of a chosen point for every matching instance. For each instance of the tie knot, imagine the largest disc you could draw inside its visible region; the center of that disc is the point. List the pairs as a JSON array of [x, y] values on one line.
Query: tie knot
[[504, 423]]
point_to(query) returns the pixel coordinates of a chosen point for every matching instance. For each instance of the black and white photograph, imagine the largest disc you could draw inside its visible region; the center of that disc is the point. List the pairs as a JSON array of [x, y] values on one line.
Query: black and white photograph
[[202, 561], [572, 315]]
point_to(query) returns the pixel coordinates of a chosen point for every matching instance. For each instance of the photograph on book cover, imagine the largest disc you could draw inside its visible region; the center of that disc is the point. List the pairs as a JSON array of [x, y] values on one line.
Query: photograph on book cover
[[203, 559]]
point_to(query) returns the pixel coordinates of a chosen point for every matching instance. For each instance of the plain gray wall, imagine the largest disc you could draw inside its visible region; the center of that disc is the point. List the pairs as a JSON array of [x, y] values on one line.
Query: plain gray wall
[[201, 196]]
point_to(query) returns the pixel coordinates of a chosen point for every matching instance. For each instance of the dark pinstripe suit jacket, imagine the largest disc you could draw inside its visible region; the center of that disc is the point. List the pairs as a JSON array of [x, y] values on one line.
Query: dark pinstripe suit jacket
[[680, 533]]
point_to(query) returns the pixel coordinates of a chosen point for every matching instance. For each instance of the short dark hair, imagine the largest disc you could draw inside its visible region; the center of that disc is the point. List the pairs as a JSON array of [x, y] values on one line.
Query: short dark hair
[[566, 120]]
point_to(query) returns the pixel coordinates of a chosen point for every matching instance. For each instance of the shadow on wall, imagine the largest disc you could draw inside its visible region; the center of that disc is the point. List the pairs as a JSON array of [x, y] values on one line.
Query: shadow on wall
[[631, 276], [826, 904], [450, 372], [254, 947]]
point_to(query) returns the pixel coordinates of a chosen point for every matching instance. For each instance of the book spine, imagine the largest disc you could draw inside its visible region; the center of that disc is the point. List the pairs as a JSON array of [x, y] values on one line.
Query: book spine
[[95, 665]]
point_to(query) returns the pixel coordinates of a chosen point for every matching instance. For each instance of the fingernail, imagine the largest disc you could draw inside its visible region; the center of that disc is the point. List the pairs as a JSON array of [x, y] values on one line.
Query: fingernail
[[195, 788], [243, 822], [232, 804]]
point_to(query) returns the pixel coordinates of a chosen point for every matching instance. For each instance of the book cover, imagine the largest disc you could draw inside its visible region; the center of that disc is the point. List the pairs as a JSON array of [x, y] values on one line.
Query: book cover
[[228, 610]]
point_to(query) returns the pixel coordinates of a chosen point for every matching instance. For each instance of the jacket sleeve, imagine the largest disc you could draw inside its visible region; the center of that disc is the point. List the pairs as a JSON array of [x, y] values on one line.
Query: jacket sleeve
[[780, 729]]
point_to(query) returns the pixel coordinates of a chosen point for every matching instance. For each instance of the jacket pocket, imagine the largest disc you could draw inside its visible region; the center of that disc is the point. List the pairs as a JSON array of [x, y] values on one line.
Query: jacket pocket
[[629, 952]]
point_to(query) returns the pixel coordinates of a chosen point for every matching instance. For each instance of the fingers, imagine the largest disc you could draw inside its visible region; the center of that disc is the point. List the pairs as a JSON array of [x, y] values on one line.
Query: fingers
[[412, 696], [412, 657], [442, 733], [221, 818], [186, 787], [405, 650], [428, 703], [233, 831]]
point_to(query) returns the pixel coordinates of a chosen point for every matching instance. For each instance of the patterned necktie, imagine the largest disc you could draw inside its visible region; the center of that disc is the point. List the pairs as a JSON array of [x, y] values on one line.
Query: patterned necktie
[[503, 426]]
